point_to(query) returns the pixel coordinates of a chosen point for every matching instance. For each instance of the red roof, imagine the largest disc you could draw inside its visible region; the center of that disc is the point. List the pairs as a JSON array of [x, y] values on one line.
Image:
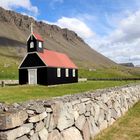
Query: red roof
[[55, 59], [38, 37]]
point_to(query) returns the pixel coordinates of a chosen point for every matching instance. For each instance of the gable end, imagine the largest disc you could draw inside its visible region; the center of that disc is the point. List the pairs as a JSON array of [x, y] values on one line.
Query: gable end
[[32, 60]]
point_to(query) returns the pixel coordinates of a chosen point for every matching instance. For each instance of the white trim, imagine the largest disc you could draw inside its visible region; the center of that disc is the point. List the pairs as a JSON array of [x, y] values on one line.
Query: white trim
[[58, 72], [67, 72], [22, 61], [40, 44], [30, 35], [33, 67], [73, 73], [32, 45]]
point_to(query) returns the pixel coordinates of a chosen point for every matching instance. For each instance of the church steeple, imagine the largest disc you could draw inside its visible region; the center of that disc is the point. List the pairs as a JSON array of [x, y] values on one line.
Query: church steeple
[[31, 28], [34, 42]]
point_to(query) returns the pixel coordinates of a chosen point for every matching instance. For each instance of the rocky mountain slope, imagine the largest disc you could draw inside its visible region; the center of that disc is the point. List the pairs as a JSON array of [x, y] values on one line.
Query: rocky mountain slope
[[15, 28]]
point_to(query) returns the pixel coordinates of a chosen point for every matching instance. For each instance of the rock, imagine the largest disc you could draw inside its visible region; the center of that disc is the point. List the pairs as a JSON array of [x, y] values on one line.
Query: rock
[[54, 135], [80, 122], [37, 108], [82, 108], [34, 119], [56, 107], [92, 111], [52, 125], [15, 105], [108, 115], [43, 134], [86, 131], [101, 116], [85, 99], [97, 112], [38, 118], [34, 137], [12, 119], [75, 114], [114, 114], [71, 134], [75, 102], [103, 125], [104, 98], [30, 112], [87, 114], [66, 119], [47, 121], [15, 133], [31, 132], [23, 138], [94, 130], [42, 116], [88, 107], [39, 126], [49, 110]]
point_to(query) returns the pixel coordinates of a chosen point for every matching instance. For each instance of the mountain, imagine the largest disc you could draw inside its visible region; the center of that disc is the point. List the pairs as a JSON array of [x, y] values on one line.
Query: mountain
[[15, 29]]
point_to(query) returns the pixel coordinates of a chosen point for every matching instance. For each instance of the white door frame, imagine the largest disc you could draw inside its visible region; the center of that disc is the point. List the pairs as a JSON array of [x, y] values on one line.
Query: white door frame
[[34, 71]]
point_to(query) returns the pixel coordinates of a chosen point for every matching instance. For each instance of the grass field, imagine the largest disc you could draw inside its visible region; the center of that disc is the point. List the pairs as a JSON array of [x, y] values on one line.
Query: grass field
[[126, 128], [9, 68], [114, 72], [12, 94]]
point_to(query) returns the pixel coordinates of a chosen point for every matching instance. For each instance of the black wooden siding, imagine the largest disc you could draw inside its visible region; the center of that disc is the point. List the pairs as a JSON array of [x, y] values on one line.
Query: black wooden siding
[[48, 76], [36, 44], [32, 60], [23, 76]]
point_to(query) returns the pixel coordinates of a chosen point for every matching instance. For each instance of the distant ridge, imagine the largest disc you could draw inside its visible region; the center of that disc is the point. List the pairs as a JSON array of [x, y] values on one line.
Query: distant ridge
[[15, 28]]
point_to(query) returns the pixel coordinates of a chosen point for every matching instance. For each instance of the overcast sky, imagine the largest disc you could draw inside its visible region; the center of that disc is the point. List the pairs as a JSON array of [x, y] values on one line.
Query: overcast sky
[[112, 27]]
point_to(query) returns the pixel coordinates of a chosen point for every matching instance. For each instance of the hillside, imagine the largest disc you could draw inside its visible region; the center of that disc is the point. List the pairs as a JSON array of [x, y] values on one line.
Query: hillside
[[15, 29]]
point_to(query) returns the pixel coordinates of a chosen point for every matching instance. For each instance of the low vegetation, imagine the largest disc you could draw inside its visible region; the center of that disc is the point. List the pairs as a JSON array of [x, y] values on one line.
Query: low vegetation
[[126, 128], [17, 93], [8, 64], [114, 72]]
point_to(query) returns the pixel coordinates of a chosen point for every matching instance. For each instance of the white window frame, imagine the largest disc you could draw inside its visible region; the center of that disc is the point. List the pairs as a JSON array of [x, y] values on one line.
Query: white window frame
[[67, 72], [58, 72], [40, 44], [73, 73], [31, 44]]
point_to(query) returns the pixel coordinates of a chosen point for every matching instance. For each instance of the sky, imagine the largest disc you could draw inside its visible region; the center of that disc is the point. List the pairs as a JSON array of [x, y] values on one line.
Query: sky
[[111, 27]]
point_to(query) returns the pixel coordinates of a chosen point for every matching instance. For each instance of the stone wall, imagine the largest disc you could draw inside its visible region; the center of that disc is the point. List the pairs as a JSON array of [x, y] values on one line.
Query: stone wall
[[9, 82], [75, 117]]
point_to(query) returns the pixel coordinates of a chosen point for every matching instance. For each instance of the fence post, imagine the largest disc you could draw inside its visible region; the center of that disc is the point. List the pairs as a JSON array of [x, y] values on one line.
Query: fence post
[[2, 84]]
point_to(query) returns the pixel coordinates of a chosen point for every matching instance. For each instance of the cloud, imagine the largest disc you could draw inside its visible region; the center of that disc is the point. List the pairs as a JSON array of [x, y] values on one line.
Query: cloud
[[128, 29], [76, 25], [26, 4], [122, 44], [54, 2]]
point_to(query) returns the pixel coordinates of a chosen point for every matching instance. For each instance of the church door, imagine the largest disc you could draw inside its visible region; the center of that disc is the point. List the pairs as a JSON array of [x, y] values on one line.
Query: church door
[[32, 76]]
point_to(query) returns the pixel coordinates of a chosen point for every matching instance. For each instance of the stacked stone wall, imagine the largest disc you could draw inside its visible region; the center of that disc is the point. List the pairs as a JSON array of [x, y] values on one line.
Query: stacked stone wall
[[73, 117]]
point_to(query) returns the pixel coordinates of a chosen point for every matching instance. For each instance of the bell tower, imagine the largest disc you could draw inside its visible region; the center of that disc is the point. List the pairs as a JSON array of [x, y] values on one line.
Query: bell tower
[[34, 42]]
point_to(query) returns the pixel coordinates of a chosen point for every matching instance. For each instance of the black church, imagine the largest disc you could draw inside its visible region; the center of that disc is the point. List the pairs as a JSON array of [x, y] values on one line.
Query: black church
[[45, 67]]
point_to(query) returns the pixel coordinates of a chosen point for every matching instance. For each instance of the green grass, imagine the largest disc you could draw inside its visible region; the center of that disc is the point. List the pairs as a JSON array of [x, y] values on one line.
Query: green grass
[[8, 64], [114, 72], [126, 128], [10, 94]]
